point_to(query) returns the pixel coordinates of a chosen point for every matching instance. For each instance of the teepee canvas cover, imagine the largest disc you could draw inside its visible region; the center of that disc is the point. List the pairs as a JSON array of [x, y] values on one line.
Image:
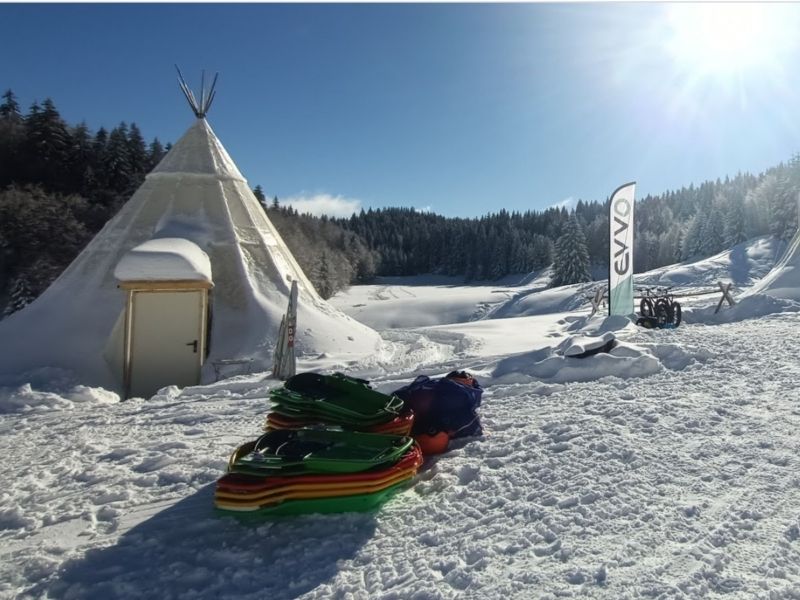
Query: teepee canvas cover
[[195, 193]]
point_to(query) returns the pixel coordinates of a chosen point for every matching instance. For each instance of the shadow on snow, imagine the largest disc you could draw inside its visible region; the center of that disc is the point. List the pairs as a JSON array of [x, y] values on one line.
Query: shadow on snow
[[188, 550]]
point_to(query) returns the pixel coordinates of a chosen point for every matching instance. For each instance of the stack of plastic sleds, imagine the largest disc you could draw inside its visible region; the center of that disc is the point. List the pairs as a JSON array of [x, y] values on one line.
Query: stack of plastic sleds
[[311, 399], [290, 472]]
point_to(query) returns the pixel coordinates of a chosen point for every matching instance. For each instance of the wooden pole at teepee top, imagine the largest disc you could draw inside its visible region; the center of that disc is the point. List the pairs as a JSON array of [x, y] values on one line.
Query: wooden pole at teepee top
[[200, 109]]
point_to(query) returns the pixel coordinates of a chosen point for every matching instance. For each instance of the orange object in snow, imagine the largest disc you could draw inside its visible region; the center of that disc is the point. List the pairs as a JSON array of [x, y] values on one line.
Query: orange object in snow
[[433, 443]]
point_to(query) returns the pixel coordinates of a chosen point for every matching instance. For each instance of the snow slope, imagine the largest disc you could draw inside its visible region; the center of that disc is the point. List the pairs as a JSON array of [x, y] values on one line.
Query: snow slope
[[428, 300], [666, 468], [397, 302], [742, 265]]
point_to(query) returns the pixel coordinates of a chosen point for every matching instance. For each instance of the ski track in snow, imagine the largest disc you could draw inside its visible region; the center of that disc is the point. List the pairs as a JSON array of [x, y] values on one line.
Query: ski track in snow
[[682, 484]]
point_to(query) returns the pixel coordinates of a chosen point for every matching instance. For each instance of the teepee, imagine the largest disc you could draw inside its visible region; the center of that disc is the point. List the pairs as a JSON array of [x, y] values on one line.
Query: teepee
[[193, 225]]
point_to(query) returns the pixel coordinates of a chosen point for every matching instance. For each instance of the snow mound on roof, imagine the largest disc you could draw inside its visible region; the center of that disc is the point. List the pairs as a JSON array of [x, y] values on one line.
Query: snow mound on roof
[[164, 259]]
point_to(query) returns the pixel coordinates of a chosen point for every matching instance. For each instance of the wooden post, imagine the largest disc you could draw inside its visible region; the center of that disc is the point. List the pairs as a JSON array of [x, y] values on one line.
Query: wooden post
[[726, 288], [598, 298]]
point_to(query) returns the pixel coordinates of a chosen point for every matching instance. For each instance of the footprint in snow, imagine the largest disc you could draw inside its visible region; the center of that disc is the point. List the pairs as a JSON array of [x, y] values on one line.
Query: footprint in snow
[[576, 577], [468, 474]]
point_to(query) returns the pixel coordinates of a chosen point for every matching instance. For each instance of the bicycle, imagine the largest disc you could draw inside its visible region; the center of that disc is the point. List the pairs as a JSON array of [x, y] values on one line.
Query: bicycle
[[670, 308], [659, 308]]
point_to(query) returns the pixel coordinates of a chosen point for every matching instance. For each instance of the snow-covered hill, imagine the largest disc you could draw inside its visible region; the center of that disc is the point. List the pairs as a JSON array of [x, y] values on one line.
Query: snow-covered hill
[[398, 302], [664, 469]]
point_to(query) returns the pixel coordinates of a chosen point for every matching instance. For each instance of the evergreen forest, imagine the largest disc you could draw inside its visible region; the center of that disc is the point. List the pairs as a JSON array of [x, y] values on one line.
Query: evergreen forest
[[60, 183]]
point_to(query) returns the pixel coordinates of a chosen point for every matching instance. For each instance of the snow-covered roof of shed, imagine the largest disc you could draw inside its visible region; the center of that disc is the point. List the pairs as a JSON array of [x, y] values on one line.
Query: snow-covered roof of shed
[[164, 259], [198, 152]]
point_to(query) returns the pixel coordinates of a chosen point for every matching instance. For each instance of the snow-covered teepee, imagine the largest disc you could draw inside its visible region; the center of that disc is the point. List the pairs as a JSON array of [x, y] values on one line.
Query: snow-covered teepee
[[197, 196]]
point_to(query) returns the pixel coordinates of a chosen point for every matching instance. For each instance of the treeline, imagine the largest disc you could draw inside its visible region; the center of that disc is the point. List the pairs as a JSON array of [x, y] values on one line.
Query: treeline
[[59, 184], [670, 227], [410, 242], [330, 256], [700, 221]]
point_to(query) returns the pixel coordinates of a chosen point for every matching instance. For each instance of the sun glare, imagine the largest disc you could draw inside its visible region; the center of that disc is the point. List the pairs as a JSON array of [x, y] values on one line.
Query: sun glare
[[721, 39]]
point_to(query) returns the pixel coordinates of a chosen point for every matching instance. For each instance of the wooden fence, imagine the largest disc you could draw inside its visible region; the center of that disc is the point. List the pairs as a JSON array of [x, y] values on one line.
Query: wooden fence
[[600, 297]]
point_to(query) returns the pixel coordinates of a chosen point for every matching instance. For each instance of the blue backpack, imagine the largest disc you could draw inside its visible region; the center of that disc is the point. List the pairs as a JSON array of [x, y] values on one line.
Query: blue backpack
[[448, 404]]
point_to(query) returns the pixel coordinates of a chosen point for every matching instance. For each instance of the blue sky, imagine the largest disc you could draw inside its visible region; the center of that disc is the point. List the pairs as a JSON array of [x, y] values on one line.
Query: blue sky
[[460, 109]]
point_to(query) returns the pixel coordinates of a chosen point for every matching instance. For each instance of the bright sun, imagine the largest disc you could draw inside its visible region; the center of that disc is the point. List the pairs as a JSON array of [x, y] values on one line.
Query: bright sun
[[722, 39]]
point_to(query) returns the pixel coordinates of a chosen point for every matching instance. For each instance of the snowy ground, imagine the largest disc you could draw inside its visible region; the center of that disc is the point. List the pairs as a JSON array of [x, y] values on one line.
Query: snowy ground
[[665, 469]]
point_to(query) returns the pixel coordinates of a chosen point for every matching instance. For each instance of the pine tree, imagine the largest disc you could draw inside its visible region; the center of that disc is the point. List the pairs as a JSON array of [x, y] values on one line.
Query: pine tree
[[19, 295], [12, 136], [117, 159], [258, 192], [137, 152], [9, 109], [155, 153], [323, 277], [571, 264], [711, 233], [81, 155], [783, 208], [691, 241], [734, 229], [542, 251], [99, 174], [48, 146]]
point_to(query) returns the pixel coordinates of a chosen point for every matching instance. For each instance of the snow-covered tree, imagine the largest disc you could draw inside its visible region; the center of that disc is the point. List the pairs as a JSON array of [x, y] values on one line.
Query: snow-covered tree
[[323, 278], [48, 145], [20, 295], [542, 249], [258, 192], [155, 153], [692, 241], [734, 227], [783, 207], [711, 231], [756, 211], [117, 158], [137, 151], [9, 109], [571, 260]]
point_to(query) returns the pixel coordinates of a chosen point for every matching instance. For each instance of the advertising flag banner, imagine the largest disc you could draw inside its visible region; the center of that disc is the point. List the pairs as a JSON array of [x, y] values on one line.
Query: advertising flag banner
[[284, 363], [620, 269]]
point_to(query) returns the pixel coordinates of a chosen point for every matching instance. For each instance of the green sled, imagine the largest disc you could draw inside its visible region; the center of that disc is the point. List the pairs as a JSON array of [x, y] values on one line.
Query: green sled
[[320, 451], [356, 503], [338, 394]]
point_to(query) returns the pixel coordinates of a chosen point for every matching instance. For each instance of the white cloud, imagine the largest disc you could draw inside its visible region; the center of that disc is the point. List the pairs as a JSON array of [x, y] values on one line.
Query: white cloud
[[424, 209], [322, 204], [568, 203]]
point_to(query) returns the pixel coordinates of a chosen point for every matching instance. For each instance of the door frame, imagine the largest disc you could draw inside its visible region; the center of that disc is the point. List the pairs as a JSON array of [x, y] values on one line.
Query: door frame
[[132, 288]]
